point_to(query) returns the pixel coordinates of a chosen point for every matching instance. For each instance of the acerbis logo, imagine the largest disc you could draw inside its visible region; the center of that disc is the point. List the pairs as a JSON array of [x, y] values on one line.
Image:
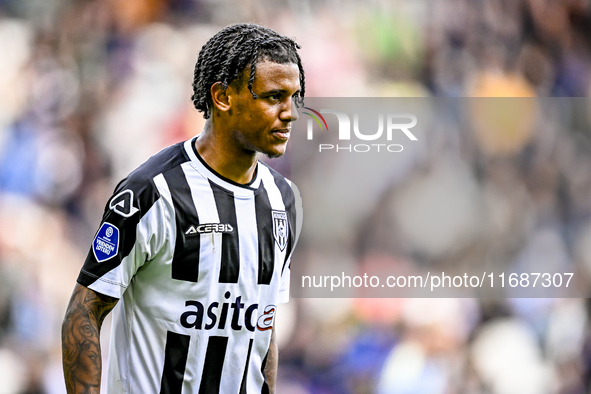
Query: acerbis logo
[[218, 316], [210, 228], [122, 203], [394, 123]]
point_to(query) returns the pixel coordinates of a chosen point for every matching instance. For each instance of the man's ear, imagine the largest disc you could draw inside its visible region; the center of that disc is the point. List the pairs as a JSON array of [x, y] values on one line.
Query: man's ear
[[219, 96]]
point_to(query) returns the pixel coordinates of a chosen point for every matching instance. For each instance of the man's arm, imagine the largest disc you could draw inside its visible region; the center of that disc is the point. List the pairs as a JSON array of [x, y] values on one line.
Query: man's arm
[[272, 363], [81, 347]]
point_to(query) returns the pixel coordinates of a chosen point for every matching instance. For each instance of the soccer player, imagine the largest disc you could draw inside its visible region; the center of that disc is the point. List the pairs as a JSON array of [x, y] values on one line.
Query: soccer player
[[194, 246]]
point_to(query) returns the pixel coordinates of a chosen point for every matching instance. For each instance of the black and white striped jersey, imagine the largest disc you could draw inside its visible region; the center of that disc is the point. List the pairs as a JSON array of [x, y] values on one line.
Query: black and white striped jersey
[[199, 264]]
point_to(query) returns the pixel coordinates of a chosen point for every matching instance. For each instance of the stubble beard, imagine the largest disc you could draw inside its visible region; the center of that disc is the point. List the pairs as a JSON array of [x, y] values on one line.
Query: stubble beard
[[274, 156], [251, 148]]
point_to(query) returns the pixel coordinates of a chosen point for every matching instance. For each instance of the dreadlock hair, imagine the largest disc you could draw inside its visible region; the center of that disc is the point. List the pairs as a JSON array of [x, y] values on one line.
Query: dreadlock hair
[[226, 55]]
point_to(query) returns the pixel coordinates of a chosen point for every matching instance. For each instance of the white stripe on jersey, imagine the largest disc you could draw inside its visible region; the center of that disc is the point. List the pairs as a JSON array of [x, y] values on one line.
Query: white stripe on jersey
[[209, 256], [248, 246], [272, 190]]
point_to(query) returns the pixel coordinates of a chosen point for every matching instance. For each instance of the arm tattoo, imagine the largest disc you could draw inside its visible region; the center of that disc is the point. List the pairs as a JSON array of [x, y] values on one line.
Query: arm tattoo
[[81, 348], [272, 363]]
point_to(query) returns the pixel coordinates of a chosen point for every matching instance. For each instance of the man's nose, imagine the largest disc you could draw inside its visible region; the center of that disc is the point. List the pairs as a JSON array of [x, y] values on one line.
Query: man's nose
[[290, 113]]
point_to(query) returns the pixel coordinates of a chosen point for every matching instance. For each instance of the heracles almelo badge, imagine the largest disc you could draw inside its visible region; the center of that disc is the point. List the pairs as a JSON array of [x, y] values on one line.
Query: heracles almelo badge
[[280, 228]]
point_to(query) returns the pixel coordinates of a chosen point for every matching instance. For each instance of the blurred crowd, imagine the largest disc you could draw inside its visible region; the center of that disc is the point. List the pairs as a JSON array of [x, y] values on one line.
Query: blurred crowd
[[470, 199], [90, 88]]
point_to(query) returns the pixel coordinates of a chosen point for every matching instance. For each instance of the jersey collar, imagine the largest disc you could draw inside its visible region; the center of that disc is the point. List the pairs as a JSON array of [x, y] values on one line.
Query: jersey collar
[[200, 165]]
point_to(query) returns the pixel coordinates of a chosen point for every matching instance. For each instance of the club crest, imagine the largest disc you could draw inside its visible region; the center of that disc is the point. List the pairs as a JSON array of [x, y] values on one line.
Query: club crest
[[280, 228]]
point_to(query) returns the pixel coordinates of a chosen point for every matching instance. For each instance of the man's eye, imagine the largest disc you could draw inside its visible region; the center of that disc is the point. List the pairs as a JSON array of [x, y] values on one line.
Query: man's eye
[[276, 96]]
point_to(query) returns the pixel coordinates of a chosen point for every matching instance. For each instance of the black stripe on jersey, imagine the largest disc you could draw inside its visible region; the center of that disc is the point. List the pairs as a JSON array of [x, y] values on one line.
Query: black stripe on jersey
[[175, 361], [185, 263], [230, 266], [289, 202], [145, 193], [245, 375], [265, 387], [265, 235], [213, 364]]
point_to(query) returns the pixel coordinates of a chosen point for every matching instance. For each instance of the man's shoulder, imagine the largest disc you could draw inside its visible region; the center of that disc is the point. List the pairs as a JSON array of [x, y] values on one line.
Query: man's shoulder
[[277, 176], [160, 162], [288, 189], [139, 184]]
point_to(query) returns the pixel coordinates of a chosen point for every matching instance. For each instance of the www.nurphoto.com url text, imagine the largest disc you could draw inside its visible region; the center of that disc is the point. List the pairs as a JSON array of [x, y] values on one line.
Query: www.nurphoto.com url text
[[437, 281]]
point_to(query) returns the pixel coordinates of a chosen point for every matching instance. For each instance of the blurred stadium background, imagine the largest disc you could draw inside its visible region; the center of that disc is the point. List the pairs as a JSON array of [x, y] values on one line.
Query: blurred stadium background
[[91, 88]]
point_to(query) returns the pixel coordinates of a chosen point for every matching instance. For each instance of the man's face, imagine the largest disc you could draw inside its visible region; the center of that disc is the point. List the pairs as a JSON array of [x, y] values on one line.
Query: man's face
[[263, 124]]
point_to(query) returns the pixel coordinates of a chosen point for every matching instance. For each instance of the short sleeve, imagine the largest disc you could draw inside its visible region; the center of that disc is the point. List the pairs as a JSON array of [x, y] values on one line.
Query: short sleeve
[[132, 230]]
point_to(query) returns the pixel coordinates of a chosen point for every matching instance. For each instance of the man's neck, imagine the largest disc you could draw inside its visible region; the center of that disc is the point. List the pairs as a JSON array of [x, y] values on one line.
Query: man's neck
[[222, 156]]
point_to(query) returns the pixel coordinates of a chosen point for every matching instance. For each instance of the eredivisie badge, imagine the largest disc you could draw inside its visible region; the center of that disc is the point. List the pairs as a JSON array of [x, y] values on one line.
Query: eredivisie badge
[[106, 242], [280, 228]]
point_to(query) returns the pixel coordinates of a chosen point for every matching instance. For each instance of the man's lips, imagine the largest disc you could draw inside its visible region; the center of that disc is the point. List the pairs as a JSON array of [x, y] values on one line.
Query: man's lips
[[282, 133]]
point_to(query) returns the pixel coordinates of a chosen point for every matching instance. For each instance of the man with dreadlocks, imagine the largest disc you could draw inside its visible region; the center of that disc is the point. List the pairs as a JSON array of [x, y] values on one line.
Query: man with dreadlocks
[[194, 246]]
